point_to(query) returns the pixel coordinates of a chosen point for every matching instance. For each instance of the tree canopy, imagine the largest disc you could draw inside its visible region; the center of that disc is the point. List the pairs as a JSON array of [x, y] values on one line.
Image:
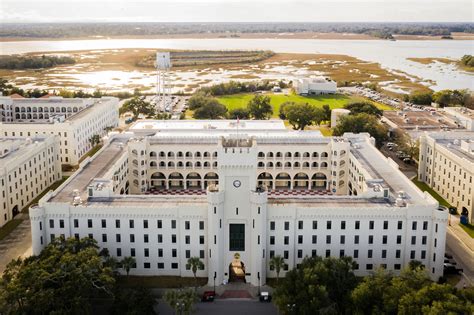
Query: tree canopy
[[363, 107], [362, 123], [137, 105], [212, 109], [454, 98], [240, 113], [33, 62], [300, 115], [421, 98], [259, 107]]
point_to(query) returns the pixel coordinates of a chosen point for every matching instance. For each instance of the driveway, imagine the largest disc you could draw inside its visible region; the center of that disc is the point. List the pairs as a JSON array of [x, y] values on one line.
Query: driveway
[[16, 244]]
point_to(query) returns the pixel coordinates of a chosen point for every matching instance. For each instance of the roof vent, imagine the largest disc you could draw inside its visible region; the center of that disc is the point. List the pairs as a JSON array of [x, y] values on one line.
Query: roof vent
[[400, 202]]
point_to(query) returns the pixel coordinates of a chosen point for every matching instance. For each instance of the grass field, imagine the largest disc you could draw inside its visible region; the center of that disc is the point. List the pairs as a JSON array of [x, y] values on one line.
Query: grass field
[[469, 228], [334, 101], [425, 187]]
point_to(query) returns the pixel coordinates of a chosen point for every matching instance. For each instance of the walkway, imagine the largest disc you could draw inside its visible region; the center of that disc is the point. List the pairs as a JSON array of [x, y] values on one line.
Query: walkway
[[16, 244], [461, 246]]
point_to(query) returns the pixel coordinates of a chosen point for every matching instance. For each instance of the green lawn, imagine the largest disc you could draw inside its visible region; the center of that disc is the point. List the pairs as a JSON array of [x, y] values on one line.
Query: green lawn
[[54, 186], [9, 227], [90, 153], [334, 101], [425, 187], [469, 228]]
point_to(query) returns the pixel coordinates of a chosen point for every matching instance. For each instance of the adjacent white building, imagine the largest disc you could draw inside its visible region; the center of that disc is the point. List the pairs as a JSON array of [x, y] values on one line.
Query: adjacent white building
[[237, 193], [447, 165], [462, 116], [315, 86], [75, 121], [27, 167], [336, 114]]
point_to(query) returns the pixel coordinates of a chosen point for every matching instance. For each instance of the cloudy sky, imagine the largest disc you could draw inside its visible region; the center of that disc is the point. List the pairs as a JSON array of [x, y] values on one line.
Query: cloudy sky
[[236, 10]]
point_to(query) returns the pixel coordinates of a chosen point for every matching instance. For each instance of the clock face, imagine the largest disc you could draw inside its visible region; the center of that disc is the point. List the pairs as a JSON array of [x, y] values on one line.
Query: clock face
[[237, 183]]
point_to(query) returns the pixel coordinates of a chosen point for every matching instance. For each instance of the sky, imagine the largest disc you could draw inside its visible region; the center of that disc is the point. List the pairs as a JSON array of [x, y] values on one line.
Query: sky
[[236, 11]]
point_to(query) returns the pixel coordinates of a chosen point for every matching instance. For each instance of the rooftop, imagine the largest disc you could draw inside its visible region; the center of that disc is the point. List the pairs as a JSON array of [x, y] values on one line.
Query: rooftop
[[459, 143], [207, 125], [12, 148]]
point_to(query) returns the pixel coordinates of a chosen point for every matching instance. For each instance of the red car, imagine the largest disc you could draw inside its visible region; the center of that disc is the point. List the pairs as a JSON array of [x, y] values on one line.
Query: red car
[[208, 296]]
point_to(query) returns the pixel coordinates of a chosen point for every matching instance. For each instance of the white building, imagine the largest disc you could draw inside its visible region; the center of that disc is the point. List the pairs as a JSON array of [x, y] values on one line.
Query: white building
[[336, 114], [463, 116], [27, 167], [315, 86], [235, 194], [75, 121], [447, 165]]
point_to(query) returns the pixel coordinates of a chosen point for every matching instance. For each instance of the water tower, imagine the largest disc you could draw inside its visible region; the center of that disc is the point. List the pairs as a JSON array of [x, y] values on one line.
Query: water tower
[[163, 65]]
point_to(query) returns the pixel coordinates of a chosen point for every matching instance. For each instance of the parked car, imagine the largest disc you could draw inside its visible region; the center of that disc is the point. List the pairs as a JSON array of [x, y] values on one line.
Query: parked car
[[446, 255], [208, 296], [449, 261], [407, 161], [451, 269], [265, 296]]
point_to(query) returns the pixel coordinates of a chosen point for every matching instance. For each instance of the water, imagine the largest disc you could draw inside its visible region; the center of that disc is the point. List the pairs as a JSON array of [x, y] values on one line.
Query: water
[[390, 54]]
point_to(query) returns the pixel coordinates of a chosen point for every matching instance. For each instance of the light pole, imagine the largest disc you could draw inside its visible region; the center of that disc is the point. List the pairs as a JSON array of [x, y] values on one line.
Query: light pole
[[215, 276]]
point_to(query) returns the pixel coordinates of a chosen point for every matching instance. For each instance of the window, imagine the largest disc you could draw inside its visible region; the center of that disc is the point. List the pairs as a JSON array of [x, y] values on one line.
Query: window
[[343, 225], [146, 252], [399, 239], [425, 225], [146, 265], [384, 253], [103, 223], [300, 253], [119, 252], [412, 254], [328, 225], [328, 239], [371, 225], [341, 253], [413, 240], [187, 239], [173, 224], [398, 253], [413, 225], [397, 266], [371, 239], [328, 252], [343, 239], [369, 253], [145, 224], [423, 254], [145, 238], [285, 254], [399, 225], [201, 239], [357, 225], [300, 225], [132, 252], [272, 253], [117, 224], [236, 237], [131, 224], [369, 266], [76, 223], [423, 240], [161, 265], [201, 225], [118, 238], [89, 223], [384, 239], [159, 224], [286, 240], [272, 225], [132, 238], [160, 238], [187, 225], [287, 225], [173, 238], [356, 239], [174, 265], [174, 252], [385, 225], [51, 224], [313, 253], [315, 239], [315, 225], [187, 254], [61, 224], [356, 253], [201, 254], [104, 238], [160, 252], [300, 239]]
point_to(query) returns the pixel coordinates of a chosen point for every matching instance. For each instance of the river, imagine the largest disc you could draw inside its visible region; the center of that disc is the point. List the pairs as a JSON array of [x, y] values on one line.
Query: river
[[390, 54]]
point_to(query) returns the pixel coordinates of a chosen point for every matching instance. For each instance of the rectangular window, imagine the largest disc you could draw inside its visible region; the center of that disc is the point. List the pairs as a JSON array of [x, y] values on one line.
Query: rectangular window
[[341, 253], [119, 252], [369, 253], [132, 238], [384, 253], [399, 239], [145, 238], [412, 254], [173, 224], [315, 225], [272, 225], [132, 252], [356, 253], [104, 238], [61, 224], [146, 252], [146, 265], [413, 225], [315, 239], [161, 265], [399, 225], [201, 239], [423, 254], [328, 225], [371, 239], [145, 224], [385, 225], [343, 225], [173, 238], [76, 223], [201, 225], [159, 224], [160, 252], [343, 239], [201, 254], [174, 265], [328, 239], [357, 225], [300, 253], [328, 252], [237, 237], [187, 253], [51, 224], [371, 225], [398, 253], [187, 225], [187, 239], [89, 223], [313, 253], [174, 253], [117, 224], [413, 240], [300, 225], [384, 239], [285, 254], [300, 239], [131, 224], [103, 223], [369, 266], [397, 266], [287, 225], [160, 238], [425, 225], [286, 240], [356, 239]]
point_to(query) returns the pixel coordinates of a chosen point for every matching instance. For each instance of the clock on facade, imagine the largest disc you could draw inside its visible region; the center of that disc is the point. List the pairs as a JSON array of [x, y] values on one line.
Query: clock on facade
[[237, 183]]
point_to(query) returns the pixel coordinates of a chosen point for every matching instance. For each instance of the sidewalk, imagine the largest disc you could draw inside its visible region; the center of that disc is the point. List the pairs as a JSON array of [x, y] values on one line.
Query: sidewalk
[[462, 247], [460, 233]]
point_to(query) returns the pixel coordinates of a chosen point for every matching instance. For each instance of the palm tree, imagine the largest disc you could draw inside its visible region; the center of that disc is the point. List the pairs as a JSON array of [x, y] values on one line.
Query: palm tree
[[277, 262], [128, 263], [195, 263]]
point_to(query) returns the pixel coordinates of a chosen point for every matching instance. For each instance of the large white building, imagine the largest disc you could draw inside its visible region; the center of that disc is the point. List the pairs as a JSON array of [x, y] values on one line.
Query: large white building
[[447, 165], [74, 120], [27, 167], [237, 193], [315, 86], [462, 116]]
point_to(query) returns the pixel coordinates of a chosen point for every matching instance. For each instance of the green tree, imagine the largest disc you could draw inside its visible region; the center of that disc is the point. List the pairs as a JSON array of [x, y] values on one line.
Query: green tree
[[407, 144], [128, 263], [195, 264], [362, 123], [137, 105], [283, 106], [94, 140], [259, 107], [239, 113], [181, 300], [363, 107], [277, 262], [300, 115], [130, 301], [326, 112], [198, 99], [421, 98], [211, 110], [63, 279]]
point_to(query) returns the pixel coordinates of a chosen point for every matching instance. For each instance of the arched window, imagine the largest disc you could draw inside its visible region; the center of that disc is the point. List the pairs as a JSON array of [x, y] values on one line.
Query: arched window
[[288, 154], [270, 165]]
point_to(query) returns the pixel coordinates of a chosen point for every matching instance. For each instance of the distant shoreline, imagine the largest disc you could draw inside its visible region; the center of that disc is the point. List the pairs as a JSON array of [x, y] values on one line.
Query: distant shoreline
[[298, 35]]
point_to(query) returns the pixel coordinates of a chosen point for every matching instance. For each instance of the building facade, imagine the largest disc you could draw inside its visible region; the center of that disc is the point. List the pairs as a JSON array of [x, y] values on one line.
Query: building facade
[[315, 86], [27, 167], [447, 165], [75, 121], [237, 193]]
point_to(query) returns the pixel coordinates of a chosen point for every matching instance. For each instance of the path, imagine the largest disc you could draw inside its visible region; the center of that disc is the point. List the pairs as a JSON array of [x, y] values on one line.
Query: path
[[16, 244]]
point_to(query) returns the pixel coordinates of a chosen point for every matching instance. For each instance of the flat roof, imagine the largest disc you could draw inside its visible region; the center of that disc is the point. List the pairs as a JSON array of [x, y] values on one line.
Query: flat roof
[[207, 125], [19, 146], [452, 142]]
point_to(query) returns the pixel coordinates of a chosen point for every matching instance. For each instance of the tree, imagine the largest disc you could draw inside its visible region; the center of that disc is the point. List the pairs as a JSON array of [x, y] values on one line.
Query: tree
[[128, 263], [63, 279], [300, 115], [181, 300], [198, 100], [239, 113], [133, 302], [94, 140], [421, 98], [277, 262], [407, 144], [283, 106], [137, 105], [211, 110], [362, 123], [259, 107], [363, 107], [326, 112], [195, 263]]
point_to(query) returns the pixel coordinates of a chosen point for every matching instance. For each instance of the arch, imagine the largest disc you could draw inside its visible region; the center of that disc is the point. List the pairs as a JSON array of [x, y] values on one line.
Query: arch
[[40, 116], [69, 109], [197, 164], [296, 165], [162, 164], [288, 154], [197, 154], [279, 154], [206, 154], [270, 165], [189, 154], [153, 164], [324, 154], [342, 152], [269, 154], [74, 109], [306, 155], [214, 164], [278, 165], [319, 181], [170, 164], [158, 180], [282, 181], [162, 154], [153, 154], [211, 178], [301, 181], [189, 164], [175, 181], [265, 179], [324, 165], [34, 110], [207, 164], [193, 181], [63, 109], [46, 110], [261, 165], [170, 154], [287, 164], [134, 152], [15, 210], [180, 154], [180, 164], [261, 154], [46, 116], [214, 154], [297, 155], [305, 164]]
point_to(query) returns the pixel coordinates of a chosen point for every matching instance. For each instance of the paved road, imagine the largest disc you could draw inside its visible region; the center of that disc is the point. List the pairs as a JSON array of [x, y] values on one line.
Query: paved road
[[463, 257], [225, 306], [17, 244]]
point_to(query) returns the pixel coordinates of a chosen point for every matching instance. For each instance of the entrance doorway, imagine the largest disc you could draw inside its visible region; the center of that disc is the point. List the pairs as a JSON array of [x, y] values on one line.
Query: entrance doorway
[[237, 270], [15, 211]]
